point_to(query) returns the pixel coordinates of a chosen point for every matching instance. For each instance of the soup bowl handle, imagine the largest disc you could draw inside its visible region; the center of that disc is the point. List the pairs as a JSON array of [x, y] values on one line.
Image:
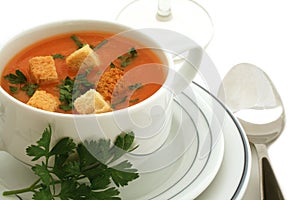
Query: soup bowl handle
[[188, 56]]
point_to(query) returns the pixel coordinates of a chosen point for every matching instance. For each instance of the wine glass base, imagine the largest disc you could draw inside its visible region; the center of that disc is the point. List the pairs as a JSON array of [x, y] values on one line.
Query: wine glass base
[[187, 17]]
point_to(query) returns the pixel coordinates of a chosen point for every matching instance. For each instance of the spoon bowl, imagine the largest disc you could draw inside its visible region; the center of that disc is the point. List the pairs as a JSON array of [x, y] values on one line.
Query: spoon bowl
[[252, 97]]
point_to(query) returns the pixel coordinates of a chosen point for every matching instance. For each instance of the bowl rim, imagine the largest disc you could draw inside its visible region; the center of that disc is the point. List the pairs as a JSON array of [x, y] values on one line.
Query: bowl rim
[[53, 25]]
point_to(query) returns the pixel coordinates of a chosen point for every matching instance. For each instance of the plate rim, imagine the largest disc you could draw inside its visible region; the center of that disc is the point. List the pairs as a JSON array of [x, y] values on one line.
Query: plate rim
[[244, 180]]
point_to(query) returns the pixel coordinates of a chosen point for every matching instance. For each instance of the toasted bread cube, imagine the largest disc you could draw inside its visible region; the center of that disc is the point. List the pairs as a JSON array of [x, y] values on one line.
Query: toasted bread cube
[[91, 102], [43, 100], [83, 57], [111, 83], [42, 69]]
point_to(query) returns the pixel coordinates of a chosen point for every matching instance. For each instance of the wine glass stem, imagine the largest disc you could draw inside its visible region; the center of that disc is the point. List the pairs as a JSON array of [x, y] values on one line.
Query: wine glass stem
[[164, 8]]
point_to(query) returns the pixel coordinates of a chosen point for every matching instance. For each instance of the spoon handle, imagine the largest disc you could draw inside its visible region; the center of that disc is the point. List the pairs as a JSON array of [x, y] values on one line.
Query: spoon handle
[[269, 187]]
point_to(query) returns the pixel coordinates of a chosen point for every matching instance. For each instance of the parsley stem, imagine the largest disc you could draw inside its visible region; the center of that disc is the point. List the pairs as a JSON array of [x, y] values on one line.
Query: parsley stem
[[24, 190]]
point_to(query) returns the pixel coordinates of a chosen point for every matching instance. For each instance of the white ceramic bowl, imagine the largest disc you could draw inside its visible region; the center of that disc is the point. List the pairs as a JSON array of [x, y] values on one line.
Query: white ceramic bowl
[[21, 125]]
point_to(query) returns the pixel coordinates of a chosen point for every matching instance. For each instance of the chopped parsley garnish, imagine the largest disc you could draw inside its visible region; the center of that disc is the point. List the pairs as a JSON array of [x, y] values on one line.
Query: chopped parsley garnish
[[17, 78], [65, 94], [20, 80], [81, 171], [13, 89], [135, 86], [58, 56], [117, 102], [112, 65], [30, 88], [134, 100], [71, 89], [77, 41], [128, 58], [98, 46]]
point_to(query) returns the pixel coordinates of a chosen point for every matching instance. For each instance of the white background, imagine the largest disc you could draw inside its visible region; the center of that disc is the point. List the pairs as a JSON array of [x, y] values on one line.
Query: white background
[[265, 33]]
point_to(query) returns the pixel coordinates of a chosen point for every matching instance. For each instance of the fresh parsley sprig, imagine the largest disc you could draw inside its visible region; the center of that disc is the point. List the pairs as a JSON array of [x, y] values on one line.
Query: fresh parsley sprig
[[88, 177], [65, 94], [71, 89], [20, 81]]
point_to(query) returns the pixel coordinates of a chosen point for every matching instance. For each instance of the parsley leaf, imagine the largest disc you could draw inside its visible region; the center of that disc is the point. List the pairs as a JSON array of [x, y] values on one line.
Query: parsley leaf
[[13, 89], [122, 173], [134, 100], [43, 173], [98, 46], [80, 171], [135, 86], [58, 56], [77, 41], [128, 58], [30, 88], [20, 79], [65, 94], [71, 89], [42, 194], [42, 147]]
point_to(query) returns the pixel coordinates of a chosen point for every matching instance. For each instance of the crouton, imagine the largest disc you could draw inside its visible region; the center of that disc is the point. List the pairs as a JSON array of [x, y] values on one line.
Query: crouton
[[111, 83], [43, 100], [42, 70], [91, 102], [83, 57]]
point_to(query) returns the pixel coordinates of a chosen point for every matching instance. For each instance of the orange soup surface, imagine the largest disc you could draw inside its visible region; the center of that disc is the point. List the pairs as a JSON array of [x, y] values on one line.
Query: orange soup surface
[[121, 70]]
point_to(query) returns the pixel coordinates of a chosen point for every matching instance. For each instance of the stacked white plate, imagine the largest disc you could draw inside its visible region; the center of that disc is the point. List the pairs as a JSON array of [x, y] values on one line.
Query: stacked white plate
[[206, 156]]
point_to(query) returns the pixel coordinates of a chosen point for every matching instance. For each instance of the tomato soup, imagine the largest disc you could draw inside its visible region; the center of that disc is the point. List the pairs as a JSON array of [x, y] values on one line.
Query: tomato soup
[[120, 71]]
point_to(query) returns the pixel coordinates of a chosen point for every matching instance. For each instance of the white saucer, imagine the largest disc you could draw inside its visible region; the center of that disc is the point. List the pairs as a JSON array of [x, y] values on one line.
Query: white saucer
[[233, 177], [189, 164]]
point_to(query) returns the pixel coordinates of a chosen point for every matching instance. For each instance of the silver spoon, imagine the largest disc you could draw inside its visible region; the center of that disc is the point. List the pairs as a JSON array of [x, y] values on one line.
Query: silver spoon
[[252, 97]]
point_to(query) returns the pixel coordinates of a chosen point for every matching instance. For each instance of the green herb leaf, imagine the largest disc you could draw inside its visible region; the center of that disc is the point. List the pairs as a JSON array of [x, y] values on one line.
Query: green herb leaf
[[125, 140], [46, 138], [133, 52], [109, 194], [58, 56], [36, 151], [134, 100], [79, 174], [122, 173], [77, 41], [72, 169], [64, 146], [71, 89], [88, 162], [98, 46], [65, 94], [102, 181], [30, 88], [128, 58], [83, 190], [20, 79], [100, 150], [135, 86], [119, 101], [43, 172], [13, 89], [123, 144], [67, 189], [42, 147], [42, 194], [112, 65]]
